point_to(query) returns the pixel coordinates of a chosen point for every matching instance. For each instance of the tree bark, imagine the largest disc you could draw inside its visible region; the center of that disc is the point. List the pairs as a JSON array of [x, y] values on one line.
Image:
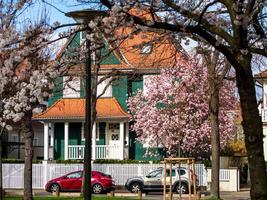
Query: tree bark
[[215, 138], [252, 126], [28, 154]]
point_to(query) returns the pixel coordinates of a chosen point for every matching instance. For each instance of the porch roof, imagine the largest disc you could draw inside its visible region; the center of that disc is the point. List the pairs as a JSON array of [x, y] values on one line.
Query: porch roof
[[74, 108]]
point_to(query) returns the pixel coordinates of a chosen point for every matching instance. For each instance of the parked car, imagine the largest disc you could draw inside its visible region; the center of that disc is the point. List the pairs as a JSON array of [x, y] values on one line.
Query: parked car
[[73, 182], [154, 181]]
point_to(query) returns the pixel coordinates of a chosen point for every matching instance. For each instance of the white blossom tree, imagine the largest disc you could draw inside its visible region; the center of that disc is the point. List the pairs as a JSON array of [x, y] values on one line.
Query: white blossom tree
[[27, 76]]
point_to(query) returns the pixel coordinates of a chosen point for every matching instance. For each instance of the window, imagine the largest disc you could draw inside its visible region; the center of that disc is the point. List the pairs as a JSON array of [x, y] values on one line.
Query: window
[[35, 141], [75, 175], [97, 131], [155, 174], [146, 49], [168, 173], [14, 138], [113, 126], [182, 172]]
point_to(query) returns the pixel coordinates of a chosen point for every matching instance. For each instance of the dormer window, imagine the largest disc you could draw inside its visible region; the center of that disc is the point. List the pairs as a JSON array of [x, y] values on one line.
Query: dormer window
[[146, 49]]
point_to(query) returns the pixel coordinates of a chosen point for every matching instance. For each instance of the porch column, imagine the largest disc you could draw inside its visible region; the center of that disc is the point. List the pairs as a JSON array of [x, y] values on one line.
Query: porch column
[[52, 141], [127, 133], [46, 141], [94, 142], [52, 136], [66, 140], [121, 141]]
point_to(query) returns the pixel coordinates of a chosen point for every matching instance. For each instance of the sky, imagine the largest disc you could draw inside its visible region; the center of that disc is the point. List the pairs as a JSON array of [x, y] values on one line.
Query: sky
[[52, 11]]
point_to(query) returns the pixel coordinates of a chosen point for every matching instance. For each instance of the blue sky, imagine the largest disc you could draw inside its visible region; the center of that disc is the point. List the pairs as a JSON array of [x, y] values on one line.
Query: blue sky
[[53, 13]]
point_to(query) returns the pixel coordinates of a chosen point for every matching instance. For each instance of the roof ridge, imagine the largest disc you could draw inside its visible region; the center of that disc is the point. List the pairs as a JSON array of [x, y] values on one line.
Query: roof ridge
[[49, 108]]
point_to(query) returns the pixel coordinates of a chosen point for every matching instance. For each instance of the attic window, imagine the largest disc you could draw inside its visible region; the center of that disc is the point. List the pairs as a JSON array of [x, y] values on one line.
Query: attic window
[[146, 49]]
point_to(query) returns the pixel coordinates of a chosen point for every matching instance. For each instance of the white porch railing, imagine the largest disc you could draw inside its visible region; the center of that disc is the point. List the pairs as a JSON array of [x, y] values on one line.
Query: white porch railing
[[76, 152], [101, 152]]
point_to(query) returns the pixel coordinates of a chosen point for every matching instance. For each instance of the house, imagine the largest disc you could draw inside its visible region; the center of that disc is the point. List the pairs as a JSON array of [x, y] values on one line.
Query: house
[[261, 78], [139, 59]]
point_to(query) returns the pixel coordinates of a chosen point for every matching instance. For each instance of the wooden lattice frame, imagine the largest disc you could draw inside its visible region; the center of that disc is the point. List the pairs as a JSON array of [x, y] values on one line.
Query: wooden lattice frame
[[179, 161]]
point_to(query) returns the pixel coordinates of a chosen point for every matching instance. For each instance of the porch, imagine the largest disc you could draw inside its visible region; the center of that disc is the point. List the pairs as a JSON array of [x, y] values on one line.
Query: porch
[[109, 140], [64, 130]]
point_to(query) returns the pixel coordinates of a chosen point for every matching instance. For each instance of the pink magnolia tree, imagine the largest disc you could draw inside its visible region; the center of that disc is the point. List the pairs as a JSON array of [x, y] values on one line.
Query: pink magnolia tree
[[174, 111]]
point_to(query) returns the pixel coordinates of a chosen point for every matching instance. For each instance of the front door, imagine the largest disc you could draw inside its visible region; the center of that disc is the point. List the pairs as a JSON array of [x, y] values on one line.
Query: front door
[[113, 140]]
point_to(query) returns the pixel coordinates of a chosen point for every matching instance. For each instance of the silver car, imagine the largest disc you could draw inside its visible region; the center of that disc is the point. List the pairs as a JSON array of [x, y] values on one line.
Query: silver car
[[154, 181]]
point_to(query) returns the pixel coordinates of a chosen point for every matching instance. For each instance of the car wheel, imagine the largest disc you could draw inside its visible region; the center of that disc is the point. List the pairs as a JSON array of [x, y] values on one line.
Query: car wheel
[[183, 189], [97, 188], [135, 187], [54, 188]]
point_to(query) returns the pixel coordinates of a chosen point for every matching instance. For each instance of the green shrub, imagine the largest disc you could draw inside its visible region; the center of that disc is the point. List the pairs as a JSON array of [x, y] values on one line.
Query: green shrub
[[13, 160]]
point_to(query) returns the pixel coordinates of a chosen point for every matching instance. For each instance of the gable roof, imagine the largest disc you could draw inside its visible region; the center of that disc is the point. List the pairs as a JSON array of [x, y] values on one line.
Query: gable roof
[[164, 52], [74, 108]]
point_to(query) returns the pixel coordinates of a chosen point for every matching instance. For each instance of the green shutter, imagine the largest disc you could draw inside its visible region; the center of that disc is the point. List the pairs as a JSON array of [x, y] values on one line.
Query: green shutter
[[119, 91], [57, 91], [137, 84]]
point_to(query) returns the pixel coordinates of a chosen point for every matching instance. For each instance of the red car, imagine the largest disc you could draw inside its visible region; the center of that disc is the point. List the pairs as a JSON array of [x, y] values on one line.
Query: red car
[[73, 182]]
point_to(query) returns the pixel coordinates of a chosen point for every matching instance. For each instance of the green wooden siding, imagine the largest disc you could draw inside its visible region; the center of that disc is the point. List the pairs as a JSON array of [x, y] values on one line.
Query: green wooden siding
[[137, 85], [57, 91], [59, 141], [75, 133], [107, 56], [119, 91]]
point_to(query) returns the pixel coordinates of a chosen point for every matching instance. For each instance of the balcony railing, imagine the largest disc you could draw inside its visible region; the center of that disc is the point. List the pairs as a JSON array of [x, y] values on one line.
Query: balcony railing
[[101, 152]]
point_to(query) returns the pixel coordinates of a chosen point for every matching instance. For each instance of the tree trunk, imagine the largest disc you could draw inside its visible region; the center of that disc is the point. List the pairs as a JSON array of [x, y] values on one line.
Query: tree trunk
[[215, 138], [252, 126], [28, 154]]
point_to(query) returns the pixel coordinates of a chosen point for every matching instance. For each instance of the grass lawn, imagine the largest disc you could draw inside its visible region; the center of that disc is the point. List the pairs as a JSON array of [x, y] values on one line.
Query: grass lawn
[[68, 198]]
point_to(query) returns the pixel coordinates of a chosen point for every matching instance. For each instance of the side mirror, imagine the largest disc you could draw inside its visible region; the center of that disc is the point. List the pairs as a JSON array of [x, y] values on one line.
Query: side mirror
[[148, 176]]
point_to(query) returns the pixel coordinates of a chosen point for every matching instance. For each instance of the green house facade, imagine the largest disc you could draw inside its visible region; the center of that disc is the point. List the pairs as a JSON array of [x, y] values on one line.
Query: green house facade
[[111, 137]]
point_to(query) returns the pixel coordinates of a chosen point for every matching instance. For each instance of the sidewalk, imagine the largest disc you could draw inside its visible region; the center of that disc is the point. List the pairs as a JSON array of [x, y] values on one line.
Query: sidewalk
[[241, 195]]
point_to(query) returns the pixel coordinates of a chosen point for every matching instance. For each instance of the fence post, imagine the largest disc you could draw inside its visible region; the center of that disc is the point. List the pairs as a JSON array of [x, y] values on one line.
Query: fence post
[[139, 170], [45, 178]]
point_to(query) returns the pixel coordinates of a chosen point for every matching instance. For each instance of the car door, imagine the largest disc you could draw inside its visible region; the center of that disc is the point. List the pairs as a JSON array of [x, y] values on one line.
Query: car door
[[153, 180], [72, 181], [174, 177]]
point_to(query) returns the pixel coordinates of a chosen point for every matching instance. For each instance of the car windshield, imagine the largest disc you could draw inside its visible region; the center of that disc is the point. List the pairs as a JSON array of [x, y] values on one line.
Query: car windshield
[[154, 174]]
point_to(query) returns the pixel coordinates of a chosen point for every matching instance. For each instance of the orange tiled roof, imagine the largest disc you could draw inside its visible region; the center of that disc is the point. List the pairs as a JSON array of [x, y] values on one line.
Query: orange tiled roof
[[164, 53], [72, 108]]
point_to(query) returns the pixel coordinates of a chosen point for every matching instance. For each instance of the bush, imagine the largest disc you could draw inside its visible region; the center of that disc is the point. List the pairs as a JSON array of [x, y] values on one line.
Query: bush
[[13, 160], [113, 161]]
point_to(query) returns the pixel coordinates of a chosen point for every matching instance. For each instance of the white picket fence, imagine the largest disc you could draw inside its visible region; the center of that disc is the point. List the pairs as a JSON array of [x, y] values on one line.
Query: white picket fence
[[13, 173]]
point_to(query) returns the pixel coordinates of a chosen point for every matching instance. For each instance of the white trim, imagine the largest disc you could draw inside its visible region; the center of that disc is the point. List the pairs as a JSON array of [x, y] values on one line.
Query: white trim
[[127, 133], [52, 136], [122, 140], [46, 128], [66, 140], [94, 141]]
